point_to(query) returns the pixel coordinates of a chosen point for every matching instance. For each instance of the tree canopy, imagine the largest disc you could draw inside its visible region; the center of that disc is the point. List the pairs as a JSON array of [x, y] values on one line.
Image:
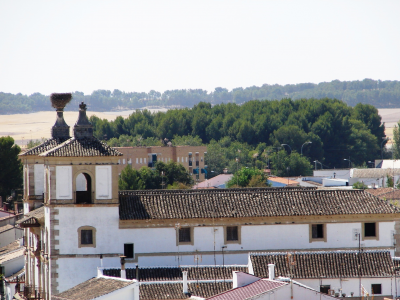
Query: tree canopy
[[171, 175], [11, 167]]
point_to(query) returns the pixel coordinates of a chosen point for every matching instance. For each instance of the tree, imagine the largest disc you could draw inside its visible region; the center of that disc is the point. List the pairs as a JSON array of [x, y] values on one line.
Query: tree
[[396, 141], [173, 172], [359, 185], [130, 179], [290, 165], [248, 177], [389, 181], [11, 167]]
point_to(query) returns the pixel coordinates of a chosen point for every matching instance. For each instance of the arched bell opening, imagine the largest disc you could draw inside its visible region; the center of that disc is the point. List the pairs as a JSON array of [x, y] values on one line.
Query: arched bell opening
[[83, 189]]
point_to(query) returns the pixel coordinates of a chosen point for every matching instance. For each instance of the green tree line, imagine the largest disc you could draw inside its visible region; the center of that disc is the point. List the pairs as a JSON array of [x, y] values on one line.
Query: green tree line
[[256, 130], [381, 94]]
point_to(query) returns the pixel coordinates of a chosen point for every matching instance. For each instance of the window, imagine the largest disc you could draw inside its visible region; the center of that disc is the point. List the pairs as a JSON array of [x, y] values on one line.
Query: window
[[123, 161], [184, 236], [324, 289], [141, 160], [137, 160], [86, 236], [232, 235], [370, 231], [128, 250], [317, 233], [376, 288]]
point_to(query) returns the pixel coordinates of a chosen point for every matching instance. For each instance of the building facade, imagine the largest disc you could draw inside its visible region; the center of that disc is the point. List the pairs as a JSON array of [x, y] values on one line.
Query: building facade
[[191, 157]]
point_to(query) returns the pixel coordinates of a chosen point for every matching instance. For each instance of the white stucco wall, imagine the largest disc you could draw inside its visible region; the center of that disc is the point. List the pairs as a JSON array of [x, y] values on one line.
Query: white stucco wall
[[103, 182], [39, 178], [110, 239], [10, 236], [349, 285], [14, 265], [63, 182]]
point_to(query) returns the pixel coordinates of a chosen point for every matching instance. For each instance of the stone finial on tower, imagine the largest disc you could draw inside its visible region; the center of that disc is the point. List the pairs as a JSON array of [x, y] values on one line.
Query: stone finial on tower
[[83, 128], [60, 129]]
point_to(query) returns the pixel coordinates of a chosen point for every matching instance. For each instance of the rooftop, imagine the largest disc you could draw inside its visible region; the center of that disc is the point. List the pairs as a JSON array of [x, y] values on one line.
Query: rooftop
[[174, 290], [250, 290], [45, 146], [87, 146], [237, 203], [93, 288], [374, 173], [327, 264]]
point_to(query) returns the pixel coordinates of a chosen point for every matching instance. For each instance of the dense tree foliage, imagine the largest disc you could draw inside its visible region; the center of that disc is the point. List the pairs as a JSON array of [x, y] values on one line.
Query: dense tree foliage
[[248, 177], [11, 167], [171, 175], [248, 134], [381, 94]]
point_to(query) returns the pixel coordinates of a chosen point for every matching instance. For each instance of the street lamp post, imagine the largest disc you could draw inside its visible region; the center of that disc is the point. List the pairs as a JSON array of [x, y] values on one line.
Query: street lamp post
[[288, 146], [303, 145], [384, 139], [348, 161]]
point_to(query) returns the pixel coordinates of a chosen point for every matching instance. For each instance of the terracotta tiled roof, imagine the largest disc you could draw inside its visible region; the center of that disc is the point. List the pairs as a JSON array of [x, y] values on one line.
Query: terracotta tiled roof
[[374, 173], [175, 273], [326, 264], [141, 205], [379, 191], [37, 214], [45, 146], [250, 290], [169, 290], [88, 146], [93, 288]]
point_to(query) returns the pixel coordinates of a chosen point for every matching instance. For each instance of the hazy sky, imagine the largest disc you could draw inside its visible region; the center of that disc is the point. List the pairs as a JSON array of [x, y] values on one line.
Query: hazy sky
[[61, 46]]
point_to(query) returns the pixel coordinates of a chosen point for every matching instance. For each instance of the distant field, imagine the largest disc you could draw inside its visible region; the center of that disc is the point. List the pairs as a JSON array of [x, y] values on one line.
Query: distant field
[[23, 127]]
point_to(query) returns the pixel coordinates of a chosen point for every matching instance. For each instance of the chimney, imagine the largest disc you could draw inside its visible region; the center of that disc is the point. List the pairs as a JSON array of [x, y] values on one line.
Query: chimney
[[271, 271], [60, 129], [83, 128], [185, 282], [123, 272], [100, 271]]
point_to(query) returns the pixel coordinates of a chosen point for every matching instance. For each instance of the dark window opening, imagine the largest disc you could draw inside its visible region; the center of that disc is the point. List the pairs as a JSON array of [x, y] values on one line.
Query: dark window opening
[[376, 288], [232, 233], [85, 196], [184, 235], [324, 289], [128, 250], [317, 231], [190, 159], [86, 237], [369, 230]]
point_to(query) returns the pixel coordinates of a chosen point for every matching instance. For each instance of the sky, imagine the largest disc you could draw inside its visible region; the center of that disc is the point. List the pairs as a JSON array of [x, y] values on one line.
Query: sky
[[85, 45]]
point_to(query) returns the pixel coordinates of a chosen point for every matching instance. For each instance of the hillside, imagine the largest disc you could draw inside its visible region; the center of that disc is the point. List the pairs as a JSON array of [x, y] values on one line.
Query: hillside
[[381, 94]]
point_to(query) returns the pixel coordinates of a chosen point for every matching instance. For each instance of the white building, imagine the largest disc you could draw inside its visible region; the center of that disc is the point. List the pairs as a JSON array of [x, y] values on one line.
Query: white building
[[335, 271], [74, 214]]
